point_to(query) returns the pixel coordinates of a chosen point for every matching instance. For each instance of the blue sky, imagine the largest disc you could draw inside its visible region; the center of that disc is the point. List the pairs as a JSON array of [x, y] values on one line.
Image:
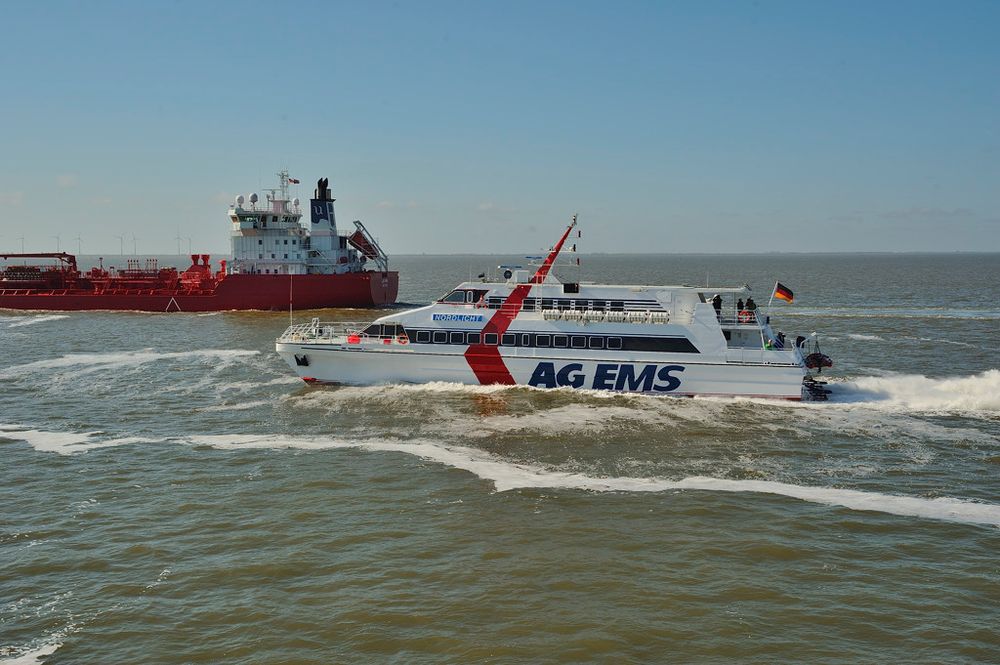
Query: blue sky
[[482, 127]]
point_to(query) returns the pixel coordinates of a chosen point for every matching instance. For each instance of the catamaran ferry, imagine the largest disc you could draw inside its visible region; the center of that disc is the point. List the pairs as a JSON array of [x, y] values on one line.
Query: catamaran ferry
[[524, 328]]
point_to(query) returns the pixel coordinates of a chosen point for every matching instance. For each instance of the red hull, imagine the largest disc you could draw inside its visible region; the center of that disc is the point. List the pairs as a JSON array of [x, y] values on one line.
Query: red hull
[[241, 292]]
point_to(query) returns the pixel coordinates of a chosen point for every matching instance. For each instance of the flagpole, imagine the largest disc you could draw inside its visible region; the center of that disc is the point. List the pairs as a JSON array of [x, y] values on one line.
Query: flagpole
[[771, 299]]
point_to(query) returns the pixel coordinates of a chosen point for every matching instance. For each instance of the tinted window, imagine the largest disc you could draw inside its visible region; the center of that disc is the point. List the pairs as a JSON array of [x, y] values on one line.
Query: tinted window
[[509, 339], [579, 342], [662, 344], [440, 337], [375, 330], [526, 340], [541, 340], [614, 342], [423, 336], [560, 341], [457, 338], [597, 342], [491, 339], [473, 338], [454, 296]]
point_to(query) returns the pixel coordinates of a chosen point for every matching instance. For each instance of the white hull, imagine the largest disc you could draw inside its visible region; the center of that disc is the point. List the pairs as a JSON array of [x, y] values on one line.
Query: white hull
[[366, 365]]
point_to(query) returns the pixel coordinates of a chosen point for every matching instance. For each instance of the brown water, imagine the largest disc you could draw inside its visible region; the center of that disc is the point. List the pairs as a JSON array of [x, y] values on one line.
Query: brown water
[[172, 494]]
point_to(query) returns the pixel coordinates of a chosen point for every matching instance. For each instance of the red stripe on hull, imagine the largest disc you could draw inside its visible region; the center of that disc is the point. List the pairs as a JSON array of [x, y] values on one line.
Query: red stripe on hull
[[239, 292]]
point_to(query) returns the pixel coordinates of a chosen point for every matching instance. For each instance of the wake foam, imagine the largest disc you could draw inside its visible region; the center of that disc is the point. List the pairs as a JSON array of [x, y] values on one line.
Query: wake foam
[[507, 476], [32, 320], [82, 363], [29, 657], [966, 394]]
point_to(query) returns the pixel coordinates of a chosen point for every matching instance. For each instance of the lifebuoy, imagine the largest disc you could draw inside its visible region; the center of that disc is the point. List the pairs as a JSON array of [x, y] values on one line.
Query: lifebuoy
[[745, 316], [403, 339]]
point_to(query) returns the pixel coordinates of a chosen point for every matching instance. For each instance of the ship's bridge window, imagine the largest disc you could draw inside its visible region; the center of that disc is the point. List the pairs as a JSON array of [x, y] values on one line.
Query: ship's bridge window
[[457, 296]]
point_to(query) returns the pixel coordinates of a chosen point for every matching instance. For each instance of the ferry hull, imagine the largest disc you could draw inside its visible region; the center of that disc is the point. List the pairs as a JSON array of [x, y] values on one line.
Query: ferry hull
[[235, 292], [355, 365]]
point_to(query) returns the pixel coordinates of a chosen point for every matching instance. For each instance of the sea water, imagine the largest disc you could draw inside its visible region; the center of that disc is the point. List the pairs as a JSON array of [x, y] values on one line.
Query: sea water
[[171, 493]]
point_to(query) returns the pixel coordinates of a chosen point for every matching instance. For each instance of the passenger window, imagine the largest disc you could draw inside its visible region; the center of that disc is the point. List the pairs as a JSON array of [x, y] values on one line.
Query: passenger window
[[597, 342], [473, 338], [423, 336], [541, 340], [440, 337], [614, 342], [491, 339], [509, 339], [579, 342], [560, 341], [457, 338]]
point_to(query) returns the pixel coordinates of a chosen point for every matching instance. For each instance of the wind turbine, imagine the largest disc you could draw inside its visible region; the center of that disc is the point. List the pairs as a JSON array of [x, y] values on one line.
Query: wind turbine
[[79, 245], [57, 242], [134, 252], [121, 245]]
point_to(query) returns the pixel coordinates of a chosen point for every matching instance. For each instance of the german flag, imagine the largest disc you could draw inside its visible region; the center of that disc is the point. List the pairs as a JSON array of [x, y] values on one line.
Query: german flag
[[782, 292]]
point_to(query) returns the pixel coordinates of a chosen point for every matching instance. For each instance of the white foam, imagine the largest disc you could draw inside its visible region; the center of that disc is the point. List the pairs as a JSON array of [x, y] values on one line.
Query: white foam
[[865, 338], [66, 443], [82, 363], [32, 657], [40, 318], [967, 394], [509, 476]]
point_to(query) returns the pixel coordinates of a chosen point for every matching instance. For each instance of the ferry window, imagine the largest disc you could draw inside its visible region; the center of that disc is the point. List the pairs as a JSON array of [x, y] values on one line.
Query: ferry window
[[294, 241], [614, 342], [343, 242], [272, 256], [374, 329], [662, 344], [440, 337], [560, 341], [456, 338], [286, 256], [509, 339], [617, 306], [579, 342], [454, 296], [541, 340], [547, 303], [491, 339], [260, 242], [423, 336], [260, 256], [494, 302], [564, 304], [286, 241], [525, 339], [597, 342], [472, 338]]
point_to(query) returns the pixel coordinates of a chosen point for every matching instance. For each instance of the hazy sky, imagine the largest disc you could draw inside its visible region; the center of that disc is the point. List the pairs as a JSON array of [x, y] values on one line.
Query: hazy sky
[[482, 127]]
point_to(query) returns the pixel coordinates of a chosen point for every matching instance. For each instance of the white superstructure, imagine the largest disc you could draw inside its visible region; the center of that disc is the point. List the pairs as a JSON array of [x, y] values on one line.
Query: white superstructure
[[268, 237], [531, 329]]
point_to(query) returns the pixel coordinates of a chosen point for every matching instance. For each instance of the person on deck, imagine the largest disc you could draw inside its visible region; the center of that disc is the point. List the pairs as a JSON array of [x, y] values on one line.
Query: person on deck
[[751, 305], [717, 304], [739, 305]]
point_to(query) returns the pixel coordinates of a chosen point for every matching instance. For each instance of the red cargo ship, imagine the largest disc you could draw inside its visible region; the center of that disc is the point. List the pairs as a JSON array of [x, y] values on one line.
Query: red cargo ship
[[277, 264]]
